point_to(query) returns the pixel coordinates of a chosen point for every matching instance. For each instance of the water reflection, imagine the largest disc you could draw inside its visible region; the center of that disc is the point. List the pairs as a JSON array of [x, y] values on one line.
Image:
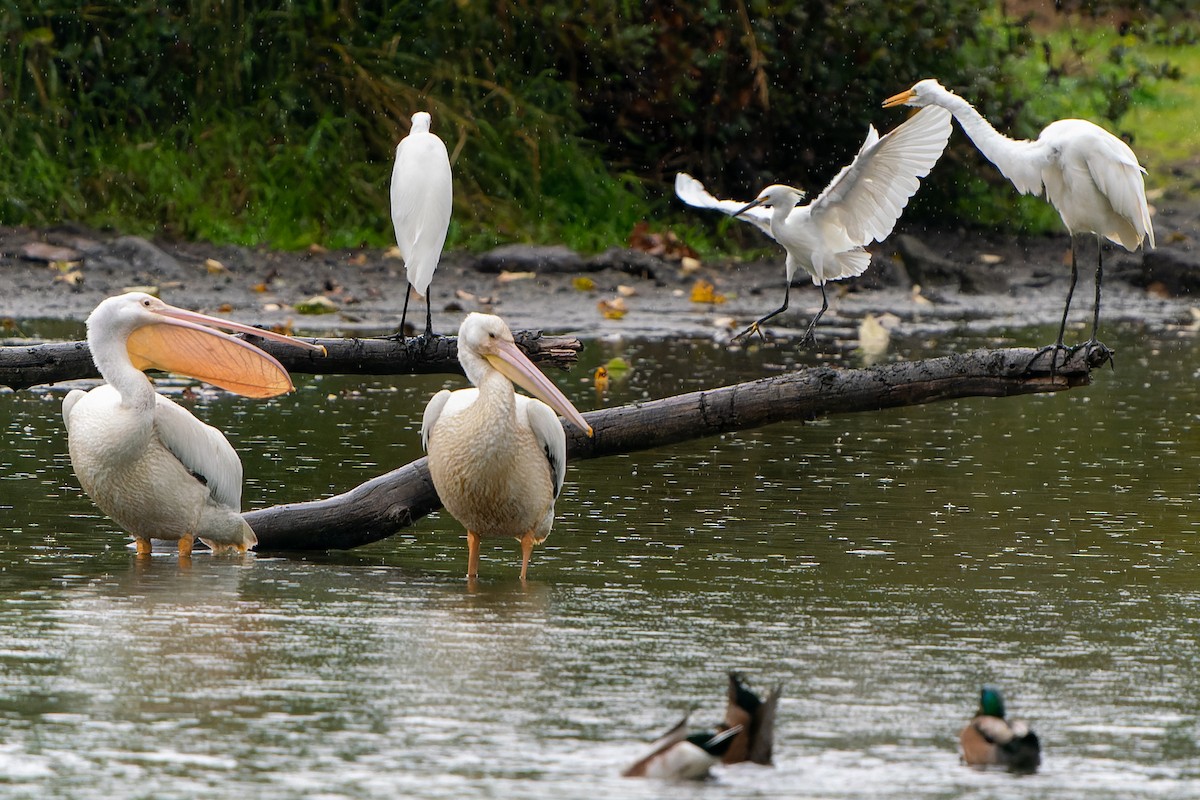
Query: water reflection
[[882, 566]]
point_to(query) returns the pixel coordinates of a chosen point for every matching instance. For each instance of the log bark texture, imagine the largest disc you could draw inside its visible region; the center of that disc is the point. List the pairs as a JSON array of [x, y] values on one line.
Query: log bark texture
[[382, 506], [22, 366]]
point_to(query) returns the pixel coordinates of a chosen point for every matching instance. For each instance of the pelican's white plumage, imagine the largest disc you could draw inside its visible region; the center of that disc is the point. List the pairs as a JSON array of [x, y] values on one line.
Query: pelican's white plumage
[[1092, 178], [498, 459], [826, 238], [146, 462], [422, 195]]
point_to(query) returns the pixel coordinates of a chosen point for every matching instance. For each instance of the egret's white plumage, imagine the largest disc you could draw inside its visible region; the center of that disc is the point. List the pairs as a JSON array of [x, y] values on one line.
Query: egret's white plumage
[[498, 459], [146, 462], [422, 195], [826, 238], [1092, 178]]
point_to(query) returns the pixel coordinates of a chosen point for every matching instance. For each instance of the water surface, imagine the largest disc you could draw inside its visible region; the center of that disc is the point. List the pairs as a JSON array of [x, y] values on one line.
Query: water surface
[[881, 566]]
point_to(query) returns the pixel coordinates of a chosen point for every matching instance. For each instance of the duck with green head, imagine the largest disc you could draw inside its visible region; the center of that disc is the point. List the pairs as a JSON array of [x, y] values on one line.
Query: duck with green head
[[992, 739]]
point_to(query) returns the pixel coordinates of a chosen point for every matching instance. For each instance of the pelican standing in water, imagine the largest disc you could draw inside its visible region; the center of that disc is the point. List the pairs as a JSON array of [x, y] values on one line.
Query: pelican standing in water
[[150, 465], [422, 195], [498, 459]]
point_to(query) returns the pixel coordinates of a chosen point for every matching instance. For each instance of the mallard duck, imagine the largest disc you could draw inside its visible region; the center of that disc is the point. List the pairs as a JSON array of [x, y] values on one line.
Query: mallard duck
[[678, 755], [991, 739], [756, 718]]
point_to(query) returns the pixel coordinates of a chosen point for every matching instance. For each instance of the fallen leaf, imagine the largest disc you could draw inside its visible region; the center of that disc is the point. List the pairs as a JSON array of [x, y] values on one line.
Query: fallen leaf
[[316, 249], [259, 287], [225, 308], [613, 309], [317, 304], [704, 292], [991, 258], [358, 260], [584, 284], [465, 296], [600, 380], [617, 367], [72, 278], [150, 290], [508, 277], [393, 252], [215, 267], [626, 291], [689, 265]]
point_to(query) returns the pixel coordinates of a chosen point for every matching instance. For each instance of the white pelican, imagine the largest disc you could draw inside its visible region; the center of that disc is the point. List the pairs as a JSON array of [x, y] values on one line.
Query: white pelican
[[678, 755], [1091, 178], [145, 461], [860, 205], [422, 192], [498, 459]]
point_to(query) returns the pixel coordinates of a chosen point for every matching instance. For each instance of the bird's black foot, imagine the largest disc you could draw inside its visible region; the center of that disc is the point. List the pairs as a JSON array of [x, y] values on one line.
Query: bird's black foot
[[753, 329], [1053, 349], [1095, 353], [808, 340]]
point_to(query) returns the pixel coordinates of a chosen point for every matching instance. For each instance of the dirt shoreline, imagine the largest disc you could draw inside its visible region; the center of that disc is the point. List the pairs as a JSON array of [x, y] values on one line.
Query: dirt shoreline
[[975, 279]]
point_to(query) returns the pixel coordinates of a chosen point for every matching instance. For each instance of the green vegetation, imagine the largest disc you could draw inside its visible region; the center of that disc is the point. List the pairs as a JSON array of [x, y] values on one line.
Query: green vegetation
[[275, 123]]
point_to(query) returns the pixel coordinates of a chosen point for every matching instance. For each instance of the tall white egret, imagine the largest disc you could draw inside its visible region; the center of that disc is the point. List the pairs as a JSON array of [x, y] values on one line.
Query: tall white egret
[[990, 738], [146, 462], [826, 238], [498, 459], [1091, 178], [422, 194]]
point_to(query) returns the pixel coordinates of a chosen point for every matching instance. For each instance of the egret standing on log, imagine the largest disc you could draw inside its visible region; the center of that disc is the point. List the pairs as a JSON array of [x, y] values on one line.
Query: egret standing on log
[[421, 199], [1091, 178], [498, 459], [861, 205], [145, 461]]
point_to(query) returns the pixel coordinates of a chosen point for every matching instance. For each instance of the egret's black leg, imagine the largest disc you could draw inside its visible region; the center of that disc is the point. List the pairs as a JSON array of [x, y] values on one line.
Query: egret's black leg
[[755, 327], [399, 334], [1062, 328], [428, 314], [808, 334], [1094, 343]]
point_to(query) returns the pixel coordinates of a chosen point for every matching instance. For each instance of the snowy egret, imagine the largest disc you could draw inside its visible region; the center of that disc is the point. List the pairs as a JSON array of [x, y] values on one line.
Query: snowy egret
[[826, 238], [498, 459], [1091, 178], [678, 755], [991, 739], [145, 461], [422, 192]]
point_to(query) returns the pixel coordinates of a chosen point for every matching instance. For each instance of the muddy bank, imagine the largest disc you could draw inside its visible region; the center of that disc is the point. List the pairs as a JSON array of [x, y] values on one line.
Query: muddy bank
[[929, 280]]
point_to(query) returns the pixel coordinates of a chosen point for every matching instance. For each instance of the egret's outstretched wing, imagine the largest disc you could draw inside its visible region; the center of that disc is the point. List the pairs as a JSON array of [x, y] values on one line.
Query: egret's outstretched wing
[[433, 410], [549, 434], [422, 195], [202, 450], [867, 197], [692, 192]]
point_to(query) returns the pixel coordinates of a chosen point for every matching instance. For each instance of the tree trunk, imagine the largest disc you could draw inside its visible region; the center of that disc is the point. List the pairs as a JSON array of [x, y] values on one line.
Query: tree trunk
[[23, 366], [382, 506]]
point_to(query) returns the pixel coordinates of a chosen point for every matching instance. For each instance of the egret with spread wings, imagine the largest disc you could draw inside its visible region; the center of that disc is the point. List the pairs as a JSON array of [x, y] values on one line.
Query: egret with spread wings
[[146, 462], [1091, 178], [827, 237]]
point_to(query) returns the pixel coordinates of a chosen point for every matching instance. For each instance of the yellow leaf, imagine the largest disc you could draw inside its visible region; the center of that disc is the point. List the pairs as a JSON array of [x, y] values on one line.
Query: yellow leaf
[[612, 309], [704, 292], [584, 284]]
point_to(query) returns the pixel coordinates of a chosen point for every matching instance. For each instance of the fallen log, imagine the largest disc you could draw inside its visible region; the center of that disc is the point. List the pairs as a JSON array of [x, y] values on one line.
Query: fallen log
[[22, 366], [386, 504]]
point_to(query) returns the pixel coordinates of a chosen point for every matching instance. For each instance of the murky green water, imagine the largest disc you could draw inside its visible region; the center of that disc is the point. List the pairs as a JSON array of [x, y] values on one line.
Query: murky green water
[[882, 566]]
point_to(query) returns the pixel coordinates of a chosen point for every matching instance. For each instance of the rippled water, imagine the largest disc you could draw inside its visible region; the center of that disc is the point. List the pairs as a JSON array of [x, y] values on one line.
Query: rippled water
[[881, 566]]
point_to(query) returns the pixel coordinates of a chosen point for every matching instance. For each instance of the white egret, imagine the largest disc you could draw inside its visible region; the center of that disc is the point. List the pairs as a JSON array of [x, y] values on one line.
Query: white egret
[[990, 738], [1091, 178], [678, 755], [498, 459], [826, 238], [146, 462], [422, 194]]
